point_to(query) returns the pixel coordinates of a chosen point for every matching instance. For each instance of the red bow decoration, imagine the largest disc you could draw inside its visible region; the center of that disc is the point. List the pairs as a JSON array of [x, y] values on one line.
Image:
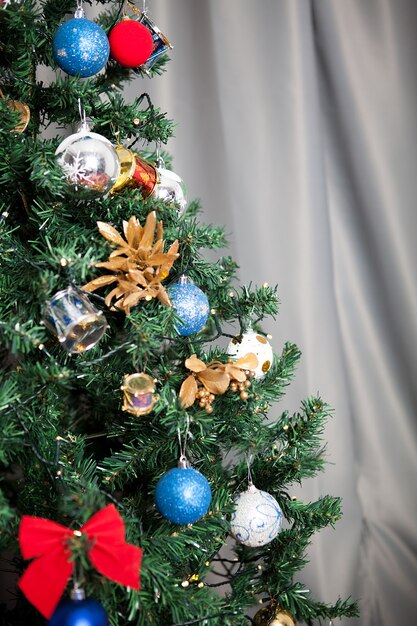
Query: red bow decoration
[[45, 579]]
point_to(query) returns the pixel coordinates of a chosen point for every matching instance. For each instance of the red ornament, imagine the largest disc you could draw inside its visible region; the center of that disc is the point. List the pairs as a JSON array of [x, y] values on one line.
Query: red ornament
[[45, 579], [131, 43]]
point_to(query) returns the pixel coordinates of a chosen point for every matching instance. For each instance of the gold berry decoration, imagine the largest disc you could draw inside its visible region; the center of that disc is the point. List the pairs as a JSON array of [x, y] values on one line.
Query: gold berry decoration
[[207, 381]]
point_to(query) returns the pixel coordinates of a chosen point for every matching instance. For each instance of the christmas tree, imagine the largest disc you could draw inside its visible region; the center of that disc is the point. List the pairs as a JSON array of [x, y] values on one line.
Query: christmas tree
[[139, 466]]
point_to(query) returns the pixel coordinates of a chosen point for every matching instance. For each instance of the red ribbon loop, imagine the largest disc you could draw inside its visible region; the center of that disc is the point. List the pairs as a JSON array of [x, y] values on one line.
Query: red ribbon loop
[[44, 581]]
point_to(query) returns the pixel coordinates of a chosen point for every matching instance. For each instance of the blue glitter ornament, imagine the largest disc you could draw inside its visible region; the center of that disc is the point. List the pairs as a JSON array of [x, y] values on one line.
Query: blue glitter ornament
[[80, 46], [191, 306], [79, 613], [183, 495]]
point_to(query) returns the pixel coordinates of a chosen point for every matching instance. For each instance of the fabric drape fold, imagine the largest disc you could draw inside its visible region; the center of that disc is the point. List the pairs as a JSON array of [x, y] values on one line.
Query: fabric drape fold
[[296, 128]]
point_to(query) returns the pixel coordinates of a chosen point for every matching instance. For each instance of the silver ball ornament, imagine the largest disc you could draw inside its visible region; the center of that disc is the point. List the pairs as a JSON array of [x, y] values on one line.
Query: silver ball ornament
[[253, 342], [88, 161], [170, 188], [257, 518]]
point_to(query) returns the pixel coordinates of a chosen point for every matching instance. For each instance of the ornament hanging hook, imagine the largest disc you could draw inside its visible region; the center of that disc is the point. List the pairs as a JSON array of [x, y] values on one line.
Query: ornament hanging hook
[[249, 459], [250, 322], [83, 115], [183, 462], [159, 161], [77, 592], [80, 10], [136, 11], [116, 133]]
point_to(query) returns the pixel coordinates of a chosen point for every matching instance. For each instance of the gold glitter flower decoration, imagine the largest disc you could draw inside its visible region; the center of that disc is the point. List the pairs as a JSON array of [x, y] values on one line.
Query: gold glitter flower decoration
[[138, 264]]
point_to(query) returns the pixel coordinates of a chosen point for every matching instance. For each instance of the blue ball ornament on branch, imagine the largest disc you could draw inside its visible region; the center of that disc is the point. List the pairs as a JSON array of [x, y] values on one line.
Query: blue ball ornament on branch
[[183, 494], [190, 304], [79, 611], [80, 46]]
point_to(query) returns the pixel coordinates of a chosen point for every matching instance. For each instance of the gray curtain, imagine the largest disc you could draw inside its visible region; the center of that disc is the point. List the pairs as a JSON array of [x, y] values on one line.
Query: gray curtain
[[297, 129]]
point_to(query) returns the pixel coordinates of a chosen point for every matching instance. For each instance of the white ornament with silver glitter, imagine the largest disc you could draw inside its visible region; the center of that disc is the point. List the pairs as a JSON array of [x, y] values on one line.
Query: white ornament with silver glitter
[[253, 342], [257, 518]]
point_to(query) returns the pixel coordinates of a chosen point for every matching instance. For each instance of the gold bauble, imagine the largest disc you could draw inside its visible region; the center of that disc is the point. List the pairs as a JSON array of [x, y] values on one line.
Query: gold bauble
[[263, 616], [24, 112], [282, 618], [268, 616]]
